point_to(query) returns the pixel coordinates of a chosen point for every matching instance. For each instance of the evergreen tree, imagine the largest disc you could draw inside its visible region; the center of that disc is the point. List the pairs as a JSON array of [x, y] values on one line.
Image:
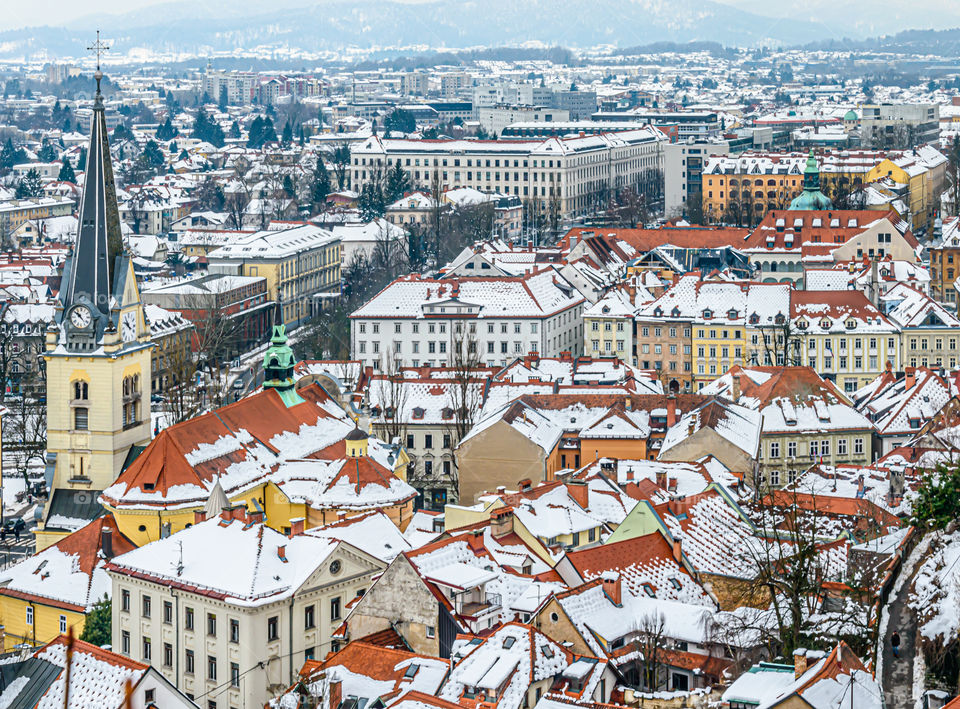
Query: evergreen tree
[[320, 185], [222, 105], [152, 154], [398, 182], [167, 131], [48, 153], [173, 147], [30, 185], [235, 130], [288, 187], [303, 138], [97, 628], [371, 203], [82, 159], [66, 172], [401, 121], [287, 137]]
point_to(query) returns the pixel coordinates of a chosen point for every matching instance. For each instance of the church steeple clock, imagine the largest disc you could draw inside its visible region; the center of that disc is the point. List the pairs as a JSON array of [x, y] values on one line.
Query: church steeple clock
[[97, 355]]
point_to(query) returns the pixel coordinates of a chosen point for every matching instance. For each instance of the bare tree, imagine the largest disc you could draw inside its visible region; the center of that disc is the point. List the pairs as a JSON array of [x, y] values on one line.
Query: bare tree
[[391, 398], [341, 163], [25, 428], [782, 343], [237, 199], [650, 643]]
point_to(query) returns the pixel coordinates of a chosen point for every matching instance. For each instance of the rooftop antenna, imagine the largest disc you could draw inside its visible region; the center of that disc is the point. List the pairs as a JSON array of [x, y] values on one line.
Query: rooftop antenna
[[98, 48], [180, 562]]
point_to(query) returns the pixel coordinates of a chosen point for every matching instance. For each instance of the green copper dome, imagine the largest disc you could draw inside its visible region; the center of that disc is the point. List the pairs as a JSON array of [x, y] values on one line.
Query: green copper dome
[[811, 198], [851, 115]]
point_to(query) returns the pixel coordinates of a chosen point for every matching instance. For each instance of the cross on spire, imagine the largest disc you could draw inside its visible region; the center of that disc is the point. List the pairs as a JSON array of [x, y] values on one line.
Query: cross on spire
[[99, 48]]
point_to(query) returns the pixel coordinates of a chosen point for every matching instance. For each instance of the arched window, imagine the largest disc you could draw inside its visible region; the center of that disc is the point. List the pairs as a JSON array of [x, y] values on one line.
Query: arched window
[[80, 390]]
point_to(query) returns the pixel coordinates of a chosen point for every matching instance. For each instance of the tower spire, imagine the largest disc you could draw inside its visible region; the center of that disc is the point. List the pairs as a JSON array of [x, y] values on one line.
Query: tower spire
[[99, 241]]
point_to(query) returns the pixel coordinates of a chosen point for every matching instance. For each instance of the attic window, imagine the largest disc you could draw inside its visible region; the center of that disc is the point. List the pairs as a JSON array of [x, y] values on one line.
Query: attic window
[[732, 314], [754, 319], [825, 324], [802, 324], [850, 324], [708, 313], [648, 589], [547, 651], [675, 583], [148, 486], [658, 311], [508, 643], [411, 671], [778, 319]]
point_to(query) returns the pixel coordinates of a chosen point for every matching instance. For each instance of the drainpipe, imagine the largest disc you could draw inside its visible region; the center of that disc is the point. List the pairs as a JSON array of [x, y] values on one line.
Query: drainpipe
[[290, 638]]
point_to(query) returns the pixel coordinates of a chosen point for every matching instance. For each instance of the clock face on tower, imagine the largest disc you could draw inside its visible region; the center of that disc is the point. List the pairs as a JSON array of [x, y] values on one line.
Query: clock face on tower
[[128, 327], [80, 317]]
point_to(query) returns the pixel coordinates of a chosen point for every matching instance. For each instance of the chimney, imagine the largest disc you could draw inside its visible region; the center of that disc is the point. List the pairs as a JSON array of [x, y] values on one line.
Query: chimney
[[525, 484], [662, 479], [199, 516], [735, 391], [106, 542], [239, 512], [336, 694], [296, 527], [282, 552], [578, 490], [226, 514], [501, 522], [628, 404], [910, 376], [611, 586], [671, 411], [799, 662], [678, 549], [255, 517]]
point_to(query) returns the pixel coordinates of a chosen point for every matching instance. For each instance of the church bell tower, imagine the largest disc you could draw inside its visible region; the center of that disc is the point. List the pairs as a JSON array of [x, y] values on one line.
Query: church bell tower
[[98, 353]]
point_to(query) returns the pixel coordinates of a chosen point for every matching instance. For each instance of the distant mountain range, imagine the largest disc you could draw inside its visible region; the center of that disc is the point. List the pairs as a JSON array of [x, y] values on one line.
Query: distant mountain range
[[189, 26]]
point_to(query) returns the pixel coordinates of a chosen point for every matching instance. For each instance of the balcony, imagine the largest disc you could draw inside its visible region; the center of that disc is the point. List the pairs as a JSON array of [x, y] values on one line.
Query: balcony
[[476, 608]]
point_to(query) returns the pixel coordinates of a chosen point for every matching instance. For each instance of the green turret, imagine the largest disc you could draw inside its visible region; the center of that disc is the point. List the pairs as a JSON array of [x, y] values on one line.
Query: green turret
[[811, 198], [278, 364]]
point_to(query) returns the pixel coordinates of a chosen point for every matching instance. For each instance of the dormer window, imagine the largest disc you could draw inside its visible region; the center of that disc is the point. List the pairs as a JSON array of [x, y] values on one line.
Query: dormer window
[[825, 324], [778, 319], [850, 324], [754, 318], [658, 311], [732, 314], [675, 312], [802, 324], [707, 313]]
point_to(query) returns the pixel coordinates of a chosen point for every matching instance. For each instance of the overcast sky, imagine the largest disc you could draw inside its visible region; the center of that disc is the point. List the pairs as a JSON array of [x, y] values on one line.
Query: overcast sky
[[915, 14]]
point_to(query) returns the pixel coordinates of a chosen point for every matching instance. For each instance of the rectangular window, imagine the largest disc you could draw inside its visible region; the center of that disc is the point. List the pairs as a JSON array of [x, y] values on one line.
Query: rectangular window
[[791, 449], [234, 674], [188, 618], [63, 624], [212, 625], [146, 649], [125, 642], [167, 612], [858, 446], [145, 602], [188, 663], [29, 615], [273, 627], [774, 449], [211, 667], [335, 608], [125, 601], [842, 446], [309, 617], [167, 655], [234, 630]]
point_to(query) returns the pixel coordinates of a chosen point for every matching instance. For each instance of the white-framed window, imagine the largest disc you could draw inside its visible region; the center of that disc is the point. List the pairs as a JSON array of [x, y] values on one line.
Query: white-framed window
[[29, 615], [774, 449], [63, 624]]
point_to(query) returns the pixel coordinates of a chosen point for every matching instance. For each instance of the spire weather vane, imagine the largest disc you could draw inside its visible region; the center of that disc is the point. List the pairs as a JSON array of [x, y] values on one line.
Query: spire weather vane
[[99, 48]]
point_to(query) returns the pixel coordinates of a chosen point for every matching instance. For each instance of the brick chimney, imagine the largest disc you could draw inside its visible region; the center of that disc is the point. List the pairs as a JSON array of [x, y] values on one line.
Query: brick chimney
[[578, 490], [678, 548], [106, 542], [501, 522], [226, 514], [296, 527], [282, 552], [255, 516], [525, 484], [611, 586], [671, 411], [799, 662], [662, 479], [199, 516], [735, 390], [910, 376]]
